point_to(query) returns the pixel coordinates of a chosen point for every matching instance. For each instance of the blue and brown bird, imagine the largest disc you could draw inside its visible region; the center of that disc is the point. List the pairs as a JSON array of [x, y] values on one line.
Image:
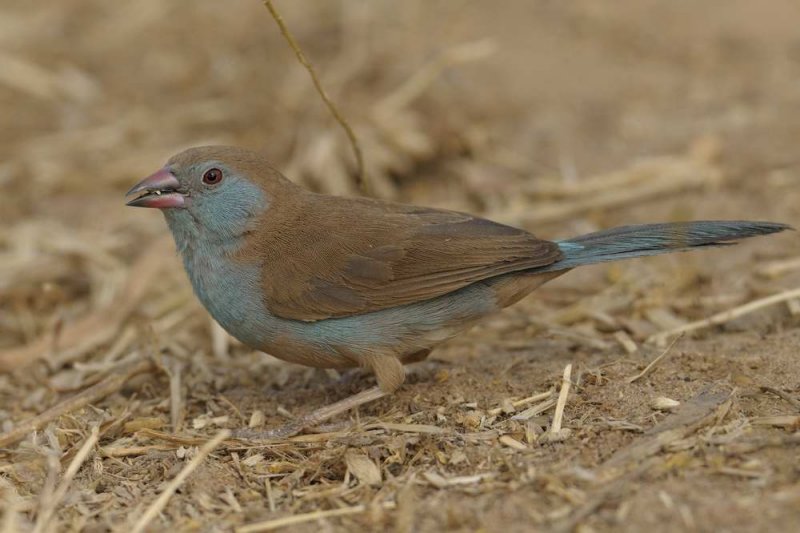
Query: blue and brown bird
[[335, 282]]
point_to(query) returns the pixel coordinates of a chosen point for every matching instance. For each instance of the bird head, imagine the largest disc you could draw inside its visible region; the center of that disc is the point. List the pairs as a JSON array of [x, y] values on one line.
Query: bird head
[[218, 189]]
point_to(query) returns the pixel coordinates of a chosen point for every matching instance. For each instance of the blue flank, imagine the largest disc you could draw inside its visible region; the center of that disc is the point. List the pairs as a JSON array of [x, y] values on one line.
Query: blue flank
[[231, 291]]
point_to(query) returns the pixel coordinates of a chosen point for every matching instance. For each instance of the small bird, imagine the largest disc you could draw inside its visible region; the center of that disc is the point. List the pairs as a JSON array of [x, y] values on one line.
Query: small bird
[[334, 282]]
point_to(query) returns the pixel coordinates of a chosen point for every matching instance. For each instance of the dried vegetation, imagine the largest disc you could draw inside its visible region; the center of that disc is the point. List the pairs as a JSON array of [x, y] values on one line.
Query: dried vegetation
[[657, 394]]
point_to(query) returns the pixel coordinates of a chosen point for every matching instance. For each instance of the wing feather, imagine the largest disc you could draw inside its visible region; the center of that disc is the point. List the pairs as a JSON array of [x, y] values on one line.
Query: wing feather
[[333, 257]]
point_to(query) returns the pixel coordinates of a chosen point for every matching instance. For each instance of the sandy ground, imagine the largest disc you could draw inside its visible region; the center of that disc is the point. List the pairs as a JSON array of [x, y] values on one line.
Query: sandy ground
[[561, 117]]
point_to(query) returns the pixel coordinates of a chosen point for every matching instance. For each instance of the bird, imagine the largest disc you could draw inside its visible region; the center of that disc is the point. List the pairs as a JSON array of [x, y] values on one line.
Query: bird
[[335, 282]]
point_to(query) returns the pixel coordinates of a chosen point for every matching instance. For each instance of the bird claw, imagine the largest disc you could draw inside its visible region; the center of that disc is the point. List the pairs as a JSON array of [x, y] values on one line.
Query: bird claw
[[279, 433], [312, 419]]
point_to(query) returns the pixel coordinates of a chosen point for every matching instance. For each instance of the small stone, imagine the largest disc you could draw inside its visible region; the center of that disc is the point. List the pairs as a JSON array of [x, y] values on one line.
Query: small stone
[[662, 403]]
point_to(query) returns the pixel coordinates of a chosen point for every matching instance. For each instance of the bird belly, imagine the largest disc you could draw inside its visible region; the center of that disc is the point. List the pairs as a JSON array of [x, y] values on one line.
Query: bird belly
[[231, 292]]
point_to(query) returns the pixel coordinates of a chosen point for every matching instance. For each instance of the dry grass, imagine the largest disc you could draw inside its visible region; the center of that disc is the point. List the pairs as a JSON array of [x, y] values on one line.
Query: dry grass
[[118, 392]]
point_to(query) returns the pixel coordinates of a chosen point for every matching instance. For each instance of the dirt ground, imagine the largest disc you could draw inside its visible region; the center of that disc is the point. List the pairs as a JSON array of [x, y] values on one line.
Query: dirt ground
[[560, 117]]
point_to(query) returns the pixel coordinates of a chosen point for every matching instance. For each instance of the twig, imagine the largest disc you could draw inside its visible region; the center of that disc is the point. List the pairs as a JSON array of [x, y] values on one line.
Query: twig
[[654, 362], [532, 411], [416, 84], [667, 176], [780, 421], [277, 523], [555, 433], [524, 401], [95, 392], [158, 505], [175, 397], [777, 392], [725, 316], [52, 503], [778, 268], [124, 451], [625, 341], [361, 176]]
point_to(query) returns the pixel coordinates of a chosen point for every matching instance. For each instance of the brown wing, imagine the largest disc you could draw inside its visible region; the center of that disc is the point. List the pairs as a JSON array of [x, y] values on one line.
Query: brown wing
[[331, 257]]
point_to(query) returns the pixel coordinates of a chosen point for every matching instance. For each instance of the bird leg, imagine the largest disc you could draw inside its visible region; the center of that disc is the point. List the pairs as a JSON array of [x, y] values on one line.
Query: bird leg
[[390, 374], [315, 417]]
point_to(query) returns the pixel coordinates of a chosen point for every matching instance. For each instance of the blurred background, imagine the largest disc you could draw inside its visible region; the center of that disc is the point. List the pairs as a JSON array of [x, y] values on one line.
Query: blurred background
[[560, 117]]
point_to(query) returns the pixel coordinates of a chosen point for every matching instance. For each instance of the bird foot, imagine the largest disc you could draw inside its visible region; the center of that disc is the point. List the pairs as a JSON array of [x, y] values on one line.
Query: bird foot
[[312, 419]]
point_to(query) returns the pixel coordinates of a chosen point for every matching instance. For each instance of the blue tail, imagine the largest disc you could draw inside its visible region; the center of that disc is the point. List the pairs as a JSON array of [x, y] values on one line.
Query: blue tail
[[654, 239]]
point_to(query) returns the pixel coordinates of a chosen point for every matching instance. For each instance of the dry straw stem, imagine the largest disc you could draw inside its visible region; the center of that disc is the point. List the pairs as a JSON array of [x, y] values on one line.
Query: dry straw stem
[[777, 392], [46, 514], [278, 523], [99, 327], [555, 433], [424, 77], [537, 409], [778, 268], [625, 341], [524, 401], [28, 77], [176, 411], [440, 482], [163, 498], [100, 390], [659, 339], [780, 421], [654, 362], [360, 176], [664, 176]]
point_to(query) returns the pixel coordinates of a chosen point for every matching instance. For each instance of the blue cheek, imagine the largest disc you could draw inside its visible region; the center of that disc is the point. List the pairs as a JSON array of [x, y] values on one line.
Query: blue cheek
[[227, 210]]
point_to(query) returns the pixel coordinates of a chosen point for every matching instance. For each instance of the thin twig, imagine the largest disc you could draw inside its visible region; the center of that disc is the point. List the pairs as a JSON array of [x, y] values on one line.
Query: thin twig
[[360, 176], [175, 397], [95, 392], [537, 409], [52, 503], [726, 316], [555, 433], [158, 505], [524, 401], [667, 176], [775, 269], [777, 392], [422, 79], [654, 362], [277, 523]]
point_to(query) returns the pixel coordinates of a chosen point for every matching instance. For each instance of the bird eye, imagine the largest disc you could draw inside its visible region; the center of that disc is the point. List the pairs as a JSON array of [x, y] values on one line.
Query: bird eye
[[212, 176]]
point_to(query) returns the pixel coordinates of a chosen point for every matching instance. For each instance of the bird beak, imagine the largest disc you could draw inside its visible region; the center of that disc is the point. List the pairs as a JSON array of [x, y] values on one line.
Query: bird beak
[[160, 191]]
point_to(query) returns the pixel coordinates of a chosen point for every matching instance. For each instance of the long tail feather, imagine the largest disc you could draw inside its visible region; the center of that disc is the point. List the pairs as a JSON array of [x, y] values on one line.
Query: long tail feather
[[653, 239]]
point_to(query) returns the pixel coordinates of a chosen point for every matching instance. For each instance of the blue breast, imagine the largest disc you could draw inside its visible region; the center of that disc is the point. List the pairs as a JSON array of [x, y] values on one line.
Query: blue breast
[[231, 291]]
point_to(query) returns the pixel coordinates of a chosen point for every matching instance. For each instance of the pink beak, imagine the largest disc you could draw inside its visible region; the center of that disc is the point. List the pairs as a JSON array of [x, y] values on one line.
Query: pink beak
[[160, 191]]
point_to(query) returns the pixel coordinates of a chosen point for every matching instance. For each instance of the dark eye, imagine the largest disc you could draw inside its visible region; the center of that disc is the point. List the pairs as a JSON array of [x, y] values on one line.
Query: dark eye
[[212, 176]]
